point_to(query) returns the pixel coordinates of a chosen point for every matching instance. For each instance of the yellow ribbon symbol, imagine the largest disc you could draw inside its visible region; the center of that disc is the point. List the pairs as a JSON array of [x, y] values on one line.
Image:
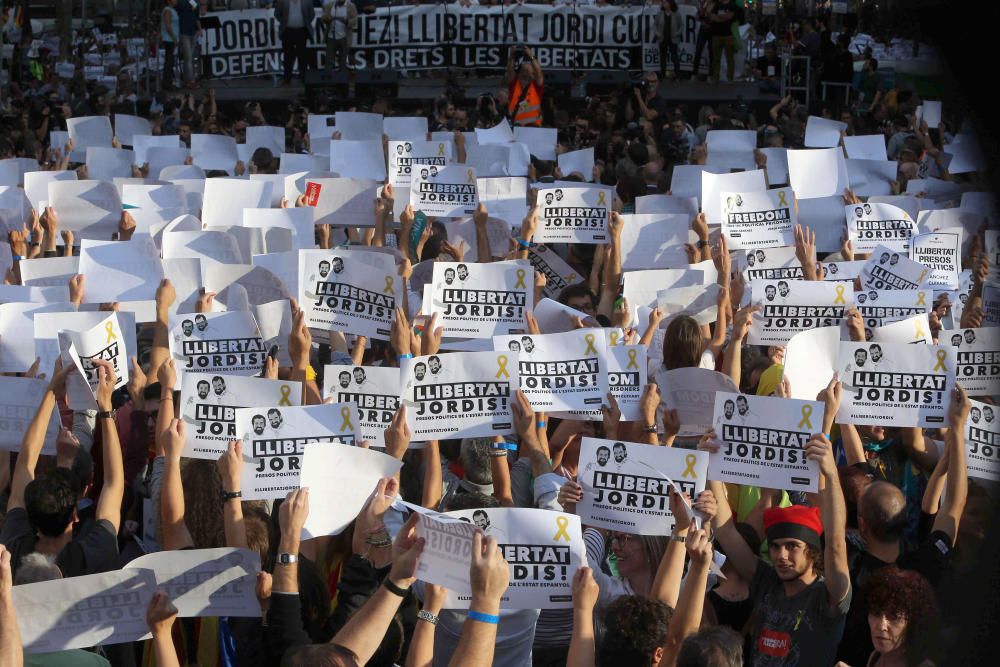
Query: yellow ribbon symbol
[[520, 279], [781, 198], [919, 330], [562, 523], [502, 367], [571, 277], [920, 299], [440, 149], [613, 335], [939, 366], [286, 391], [840, 295], [471, 175], [920, 280], [109, 327], [689, 462], [388, 284], [807, 411], [345, 414], [631, 360], [600, 197], [590, 344]]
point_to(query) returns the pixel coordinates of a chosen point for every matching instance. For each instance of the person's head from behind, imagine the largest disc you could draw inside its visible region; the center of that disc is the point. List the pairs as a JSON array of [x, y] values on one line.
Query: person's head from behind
[[50, 501], [319, 655], [902, 615], [36, 567], [793, 540], [682, 343], [854, 482], [475, 459], [635, 632], [580, 297], [263, 161], [715, 646], [882, 513]]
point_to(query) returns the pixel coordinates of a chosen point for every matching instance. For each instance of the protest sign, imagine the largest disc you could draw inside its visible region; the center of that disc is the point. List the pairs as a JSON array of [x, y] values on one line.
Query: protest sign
[[878, 308], [206, 582], [978, 353], [225, 199], [941, 252], [574, 215], [558, 274], [105, 164], [869, 178], [842, 271], [763, 441], [339, 292], [866, 147], [823, 132], [541, 140], [914, 329], [991, 305], [407, 158], [358, 159], [626, 485], [691, 391], [713, 185], [824, 216], [698, 301], [641, 287], [982, 441], [771, 264], [776, 165], [890, 270], [48, 271], [481, 300], [895, 384], [342, 201], [209, 404], [759, 219], [48, 325], [810, 360], [404, 127], [818, 172], [373, 389], [80, 612], [89, 209], [667, 204], [79, 348], [36, 185], [218, 343], [21, 398], [562, 371], [655, 240], [87, 131], [577, 162], [459, 395], [449, 192], [128, 127], [543, 550], [143, 143], [340, 479], [214, 151], [505, 198], [791, 306], [874, 225], [358, 126], [274, 439], [447, 552], [120, 271]]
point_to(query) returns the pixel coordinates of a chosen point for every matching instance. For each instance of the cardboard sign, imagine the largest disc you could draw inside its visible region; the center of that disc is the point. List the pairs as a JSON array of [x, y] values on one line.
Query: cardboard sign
[[759, 219], [481, 300], [339, 292], [890, 270], [218, 343], [982, 441], [561, 372], [763, 441], [574, 215], [895, 384], [459, 395], [626, 485], [978, 353], [274, 439], [874, 225], [449, 193], [791, 306], [209, 404], [373, 389]]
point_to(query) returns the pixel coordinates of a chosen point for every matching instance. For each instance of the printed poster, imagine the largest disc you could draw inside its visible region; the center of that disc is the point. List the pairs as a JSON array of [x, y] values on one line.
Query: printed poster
[[573, 215], [375, 392], [982, 441], [481, 300], [104, 341], [887, 269], [792, 306], [873, 225], [450, 193], [221, 343], [759, 219], [978, 359]]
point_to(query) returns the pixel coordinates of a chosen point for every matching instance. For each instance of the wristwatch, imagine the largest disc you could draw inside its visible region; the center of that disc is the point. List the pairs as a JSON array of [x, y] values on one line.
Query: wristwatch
[[287, 559], [424, 615], [702, 243], [649, 429], [226, 496], [106, 414]]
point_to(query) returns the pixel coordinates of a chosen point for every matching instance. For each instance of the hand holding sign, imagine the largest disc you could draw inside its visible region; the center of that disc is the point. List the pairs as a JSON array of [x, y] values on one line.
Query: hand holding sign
[[160, 616], [406, 550], [820, 451], [489, 574]]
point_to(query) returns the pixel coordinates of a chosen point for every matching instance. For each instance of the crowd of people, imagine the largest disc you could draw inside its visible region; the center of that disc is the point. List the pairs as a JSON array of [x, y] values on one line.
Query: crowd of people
[[864, 571]]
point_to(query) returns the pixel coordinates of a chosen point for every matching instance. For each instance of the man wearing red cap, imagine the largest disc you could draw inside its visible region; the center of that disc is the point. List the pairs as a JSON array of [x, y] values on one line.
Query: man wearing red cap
[[800, 605]]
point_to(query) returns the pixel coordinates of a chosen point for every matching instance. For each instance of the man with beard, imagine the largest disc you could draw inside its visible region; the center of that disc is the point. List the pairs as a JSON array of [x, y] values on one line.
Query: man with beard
[[218, 385], [203, 388], [201, 322], [434, 364], [359, 375], [187, 326], [783, 288], [274, 416], [259, 423], [527, 344], [419, 371]]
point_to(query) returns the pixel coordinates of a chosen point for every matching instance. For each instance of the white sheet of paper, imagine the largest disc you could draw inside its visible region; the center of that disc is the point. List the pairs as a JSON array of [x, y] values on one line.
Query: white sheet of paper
[[641, 287], [120, 271], [21, 398], [90, 209], [274, 320], [481, 300], [358, 159], [776, 165], [574, 215], [686, 180], [810, 360], [978, 353], [321, 128], [214, 151], [667, 204], [540, 140], [500, 133], [818, 172], [343, 201], [914, 329], [982, 432], [888, 269], [626, 485], [691, 391], [220, 343], [274, 441], [896, 384], [36, 185], [375, 391], [299, 220], [729, 160], [359, 126], [866, 147], [159, 158], [17, 344], [206, 582], [265, 136], [697, 301], [143, 143], [554, 317], [205, 245], [763, 441], [655, 240], [209, 403], [48, 271], [823, 132], [824, 216], [80, 612], [965, 157], [578, 162], [128, 127], [466, 396], [225, 199], [87, 131], [341, 479], [293, 163], [153, 196], [48, 325], [405, 127], [871, 177], [284, 265], [932, 113], [713, 185]]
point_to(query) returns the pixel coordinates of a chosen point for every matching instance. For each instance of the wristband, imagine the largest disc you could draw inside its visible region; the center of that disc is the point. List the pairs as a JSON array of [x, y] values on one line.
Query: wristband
[[227, 496], [424, 615], [524, 244], [541, 424], [310, 374], [408, 355], [649, 429], [483, 618], [17, 258], [106, 414], [509, 446], [827, 436], [394, 589]]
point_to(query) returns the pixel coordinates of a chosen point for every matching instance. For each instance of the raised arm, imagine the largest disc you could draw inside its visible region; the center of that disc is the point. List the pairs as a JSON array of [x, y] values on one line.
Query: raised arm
[[483, 254], [430, 456], [489, 575], [160, 352], [669, 571], [957, 488], [582, 645], [531, 446], [175, 533], [733, 358], [109, 503], [687, 615], [230, 466], [833, 513], [160, 616], [11, 653]]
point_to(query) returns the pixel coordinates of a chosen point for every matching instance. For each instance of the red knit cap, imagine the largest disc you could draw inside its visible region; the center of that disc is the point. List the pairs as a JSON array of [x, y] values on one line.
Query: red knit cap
[[796, 522]]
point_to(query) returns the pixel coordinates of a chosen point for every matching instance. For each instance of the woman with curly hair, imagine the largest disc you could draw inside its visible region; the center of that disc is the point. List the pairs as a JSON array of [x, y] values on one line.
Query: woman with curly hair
[[903, 619]]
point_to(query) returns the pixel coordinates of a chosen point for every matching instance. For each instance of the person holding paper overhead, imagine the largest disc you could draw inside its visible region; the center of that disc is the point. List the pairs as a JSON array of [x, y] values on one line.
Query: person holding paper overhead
[[524, 81]]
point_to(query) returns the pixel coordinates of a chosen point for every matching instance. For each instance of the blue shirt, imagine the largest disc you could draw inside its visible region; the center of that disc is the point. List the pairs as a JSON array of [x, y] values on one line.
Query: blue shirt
[[175, 24]]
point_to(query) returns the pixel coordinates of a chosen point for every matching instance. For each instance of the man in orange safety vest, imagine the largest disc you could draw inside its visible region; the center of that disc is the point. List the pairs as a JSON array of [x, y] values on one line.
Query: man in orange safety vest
[[524, 89]]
